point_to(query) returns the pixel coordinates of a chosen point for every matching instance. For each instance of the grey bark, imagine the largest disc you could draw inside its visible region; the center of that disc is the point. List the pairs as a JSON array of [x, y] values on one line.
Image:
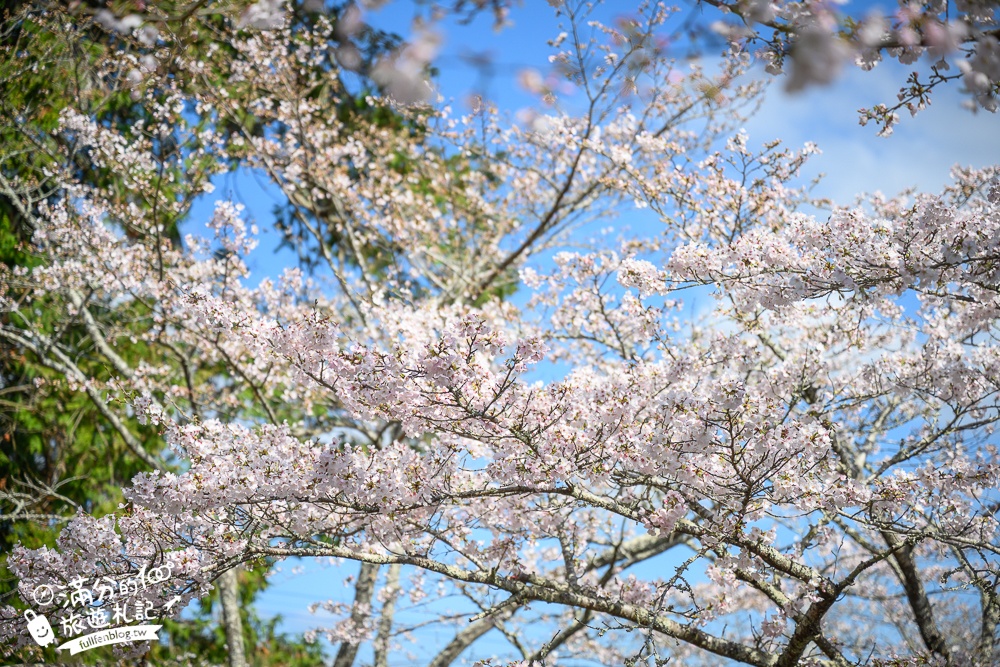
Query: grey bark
[[988, 630], [385, 620], [359, 614], [229, 596], [468, 636]]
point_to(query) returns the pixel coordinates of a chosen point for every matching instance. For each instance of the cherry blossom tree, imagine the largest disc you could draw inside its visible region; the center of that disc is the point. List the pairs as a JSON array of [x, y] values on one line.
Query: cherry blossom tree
[[61, 449], [481, 394], [811, 42], [814, 40]]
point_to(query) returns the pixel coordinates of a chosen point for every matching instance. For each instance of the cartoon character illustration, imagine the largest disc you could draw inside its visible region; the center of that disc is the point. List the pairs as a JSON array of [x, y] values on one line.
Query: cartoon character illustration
[[39, 628]]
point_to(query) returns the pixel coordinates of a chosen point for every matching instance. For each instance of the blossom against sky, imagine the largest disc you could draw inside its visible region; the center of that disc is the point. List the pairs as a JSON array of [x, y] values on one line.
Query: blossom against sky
[[476, 59]]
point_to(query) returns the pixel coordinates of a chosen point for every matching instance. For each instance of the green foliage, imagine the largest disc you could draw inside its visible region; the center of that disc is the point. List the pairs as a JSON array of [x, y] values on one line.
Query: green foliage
[[204, 638], [58, 454], [56, 448]]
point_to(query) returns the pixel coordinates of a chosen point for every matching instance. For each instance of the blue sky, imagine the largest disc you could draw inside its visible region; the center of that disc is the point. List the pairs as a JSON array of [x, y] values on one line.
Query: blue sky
[[919, 153]]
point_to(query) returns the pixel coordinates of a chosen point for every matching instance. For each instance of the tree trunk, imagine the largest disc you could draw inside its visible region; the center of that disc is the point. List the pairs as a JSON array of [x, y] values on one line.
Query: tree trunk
[[362, 607], [385, 622], [229, 595]]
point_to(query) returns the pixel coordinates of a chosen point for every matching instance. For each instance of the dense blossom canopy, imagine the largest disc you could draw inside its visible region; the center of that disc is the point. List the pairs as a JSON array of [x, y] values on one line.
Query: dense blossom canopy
[[761, 431]]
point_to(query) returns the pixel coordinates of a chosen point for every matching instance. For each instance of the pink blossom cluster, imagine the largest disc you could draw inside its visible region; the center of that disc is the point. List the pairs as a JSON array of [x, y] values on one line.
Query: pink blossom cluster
[[732, 436]]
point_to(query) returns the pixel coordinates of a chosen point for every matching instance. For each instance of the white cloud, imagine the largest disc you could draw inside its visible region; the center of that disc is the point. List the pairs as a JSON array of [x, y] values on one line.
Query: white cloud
[[919, 153]]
